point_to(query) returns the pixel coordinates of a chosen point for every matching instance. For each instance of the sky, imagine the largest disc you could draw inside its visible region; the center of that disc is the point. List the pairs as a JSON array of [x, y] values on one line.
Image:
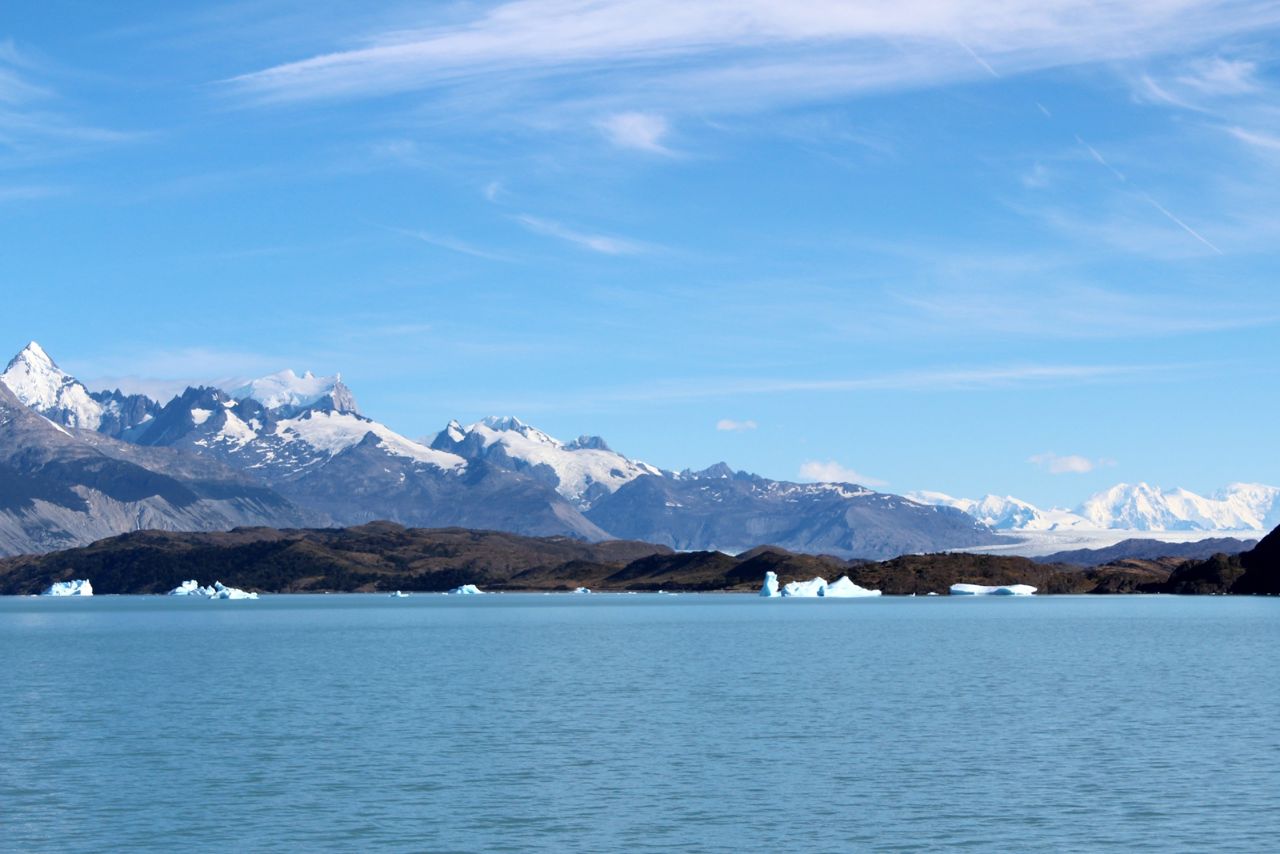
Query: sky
[[1026, 247]]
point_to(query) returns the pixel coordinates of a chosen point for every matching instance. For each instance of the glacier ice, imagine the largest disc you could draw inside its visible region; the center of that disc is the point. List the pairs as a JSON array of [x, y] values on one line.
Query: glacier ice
[[76, 587], [582, 590], [844, 588], [466, 590], [399, 594], [221, 591], [770, 587], [812, 588], [1000, 590], [188, 588]]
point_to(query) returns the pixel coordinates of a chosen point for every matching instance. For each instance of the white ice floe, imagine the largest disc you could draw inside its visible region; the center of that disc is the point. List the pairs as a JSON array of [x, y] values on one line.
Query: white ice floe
[[812, 588], [1001, 590], [189, 588], [582, 590], [844, 588], [77, 587], [221, 591], [399, 594], [770, 587], [466, 590]]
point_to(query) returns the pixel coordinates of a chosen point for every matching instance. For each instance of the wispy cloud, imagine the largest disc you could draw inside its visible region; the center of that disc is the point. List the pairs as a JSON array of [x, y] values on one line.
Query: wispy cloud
[[1256, 138], [1220, 76], [881, 45], [444, 241], [602, 243], [728, 425], [639, 131], [1068, 463], [830, 471]]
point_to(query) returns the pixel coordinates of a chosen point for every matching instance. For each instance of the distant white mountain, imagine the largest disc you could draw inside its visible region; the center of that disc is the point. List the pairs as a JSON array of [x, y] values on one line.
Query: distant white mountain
[[580, 470], [1131, 507], [1006, 513], [288, 391], [40, 384]]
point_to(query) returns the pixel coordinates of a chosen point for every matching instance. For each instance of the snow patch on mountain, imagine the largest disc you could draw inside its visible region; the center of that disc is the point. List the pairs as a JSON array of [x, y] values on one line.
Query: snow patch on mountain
[[40, 384], [334, 432]]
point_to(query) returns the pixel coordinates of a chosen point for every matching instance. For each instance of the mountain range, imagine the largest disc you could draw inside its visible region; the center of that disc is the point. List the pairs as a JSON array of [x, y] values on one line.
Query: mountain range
[[288, 450], [1130, 507]]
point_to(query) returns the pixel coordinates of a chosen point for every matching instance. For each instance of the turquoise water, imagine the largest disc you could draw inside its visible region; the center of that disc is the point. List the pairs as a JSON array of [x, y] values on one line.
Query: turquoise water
[[605, 723]]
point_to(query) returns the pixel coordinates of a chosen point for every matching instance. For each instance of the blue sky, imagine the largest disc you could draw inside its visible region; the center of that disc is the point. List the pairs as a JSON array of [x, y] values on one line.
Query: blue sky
[[1021, 247]]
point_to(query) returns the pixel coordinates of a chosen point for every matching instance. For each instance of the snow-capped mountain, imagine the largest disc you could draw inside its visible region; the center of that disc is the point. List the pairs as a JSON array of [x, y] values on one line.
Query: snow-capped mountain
[[1130, 507], [302, 439], [1006, 513], [40, 384], [287, 392], [64, 487], [1142, 507], [581, 470]]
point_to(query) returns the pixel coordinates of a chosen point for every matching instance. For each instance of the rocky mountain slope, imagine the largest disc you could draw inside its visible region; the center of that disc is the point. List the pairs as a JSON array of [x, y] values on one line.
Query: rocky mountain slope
[[62, 487]]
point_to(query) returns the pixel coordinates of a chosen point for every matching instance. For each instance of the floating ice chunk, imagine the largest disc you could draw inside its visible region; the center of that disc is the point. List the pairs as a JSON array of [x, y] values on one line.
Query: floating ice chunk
[[190, 588], [221, 591], [399, 594], [1002, 590], [811, 588], [844, 588], [466, 590], [770, 587], [582, 590], [78, 587]]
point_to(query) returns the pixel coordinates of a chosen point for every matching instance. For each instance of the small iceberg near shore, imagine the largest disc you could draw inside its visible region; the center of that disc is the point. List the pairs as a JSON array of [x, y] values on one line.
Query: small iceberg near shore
[[582, 590], [845, 589], [76, 587], [770, 587], [399, 594], [221, 591], [1000, 590], [466, 590], [815, 588]]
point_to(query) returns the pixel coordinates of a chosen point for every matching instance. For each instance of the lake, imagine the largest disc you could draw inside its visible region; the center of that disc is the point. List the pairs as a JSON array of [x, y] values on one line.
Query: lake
[[710, 722]]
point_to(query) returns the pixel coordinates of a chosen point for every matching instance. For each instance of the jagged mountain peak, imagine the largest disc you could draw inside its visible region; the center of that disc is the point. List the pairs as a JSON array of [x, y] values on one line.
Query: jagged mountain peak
[[39, 383]]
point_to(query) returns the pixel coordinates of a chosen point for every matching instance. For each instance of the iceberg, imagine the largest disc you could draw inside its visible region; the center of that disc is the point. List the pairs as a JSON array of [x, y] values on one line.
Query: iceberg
[[399, 594], [770, 587], [807, 589], [1002, 590], [77, 587], [582, 590], [466, 590], [844, 588], [189, 588], [221, 591]]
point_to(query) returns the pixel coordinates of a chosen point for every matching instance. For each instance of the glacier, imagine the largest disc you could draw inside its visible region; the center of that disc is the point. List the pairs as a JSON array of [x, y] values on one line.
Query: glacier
[[76, 587]]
